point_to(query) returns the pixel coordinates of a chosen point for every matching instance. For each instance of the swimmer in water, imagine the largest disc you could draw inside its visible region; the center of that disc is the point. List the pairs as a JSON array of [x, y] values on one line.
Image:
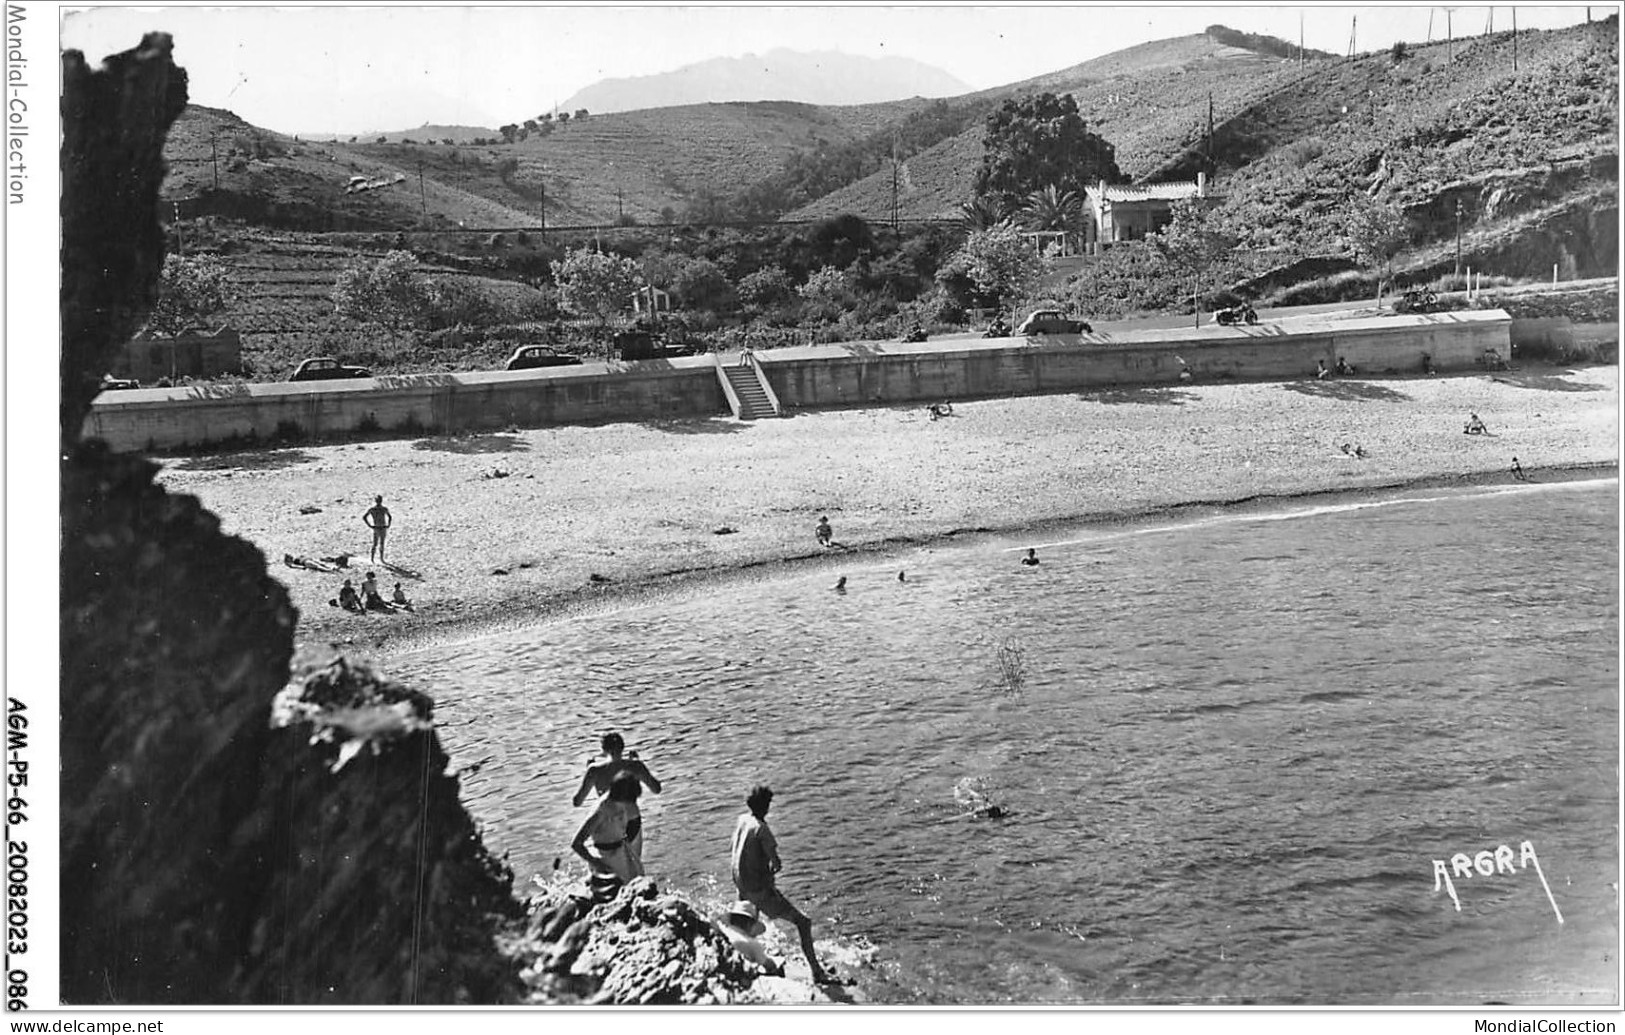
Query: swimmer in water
[[1031, 558], [902, 576], [840, 584]]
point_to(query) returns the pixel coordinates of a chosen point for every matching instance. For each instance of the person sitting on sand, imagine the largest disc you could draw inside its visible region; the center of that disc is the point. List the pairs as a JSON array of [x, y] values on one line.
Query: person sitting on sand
[[398, 598], [1321, 373], [1343, 368], [825, 534], [603, 838], [347, 598], [1360, 453], [1517, 471], [754, 861], [1347, 449], [840, 584], [1475, 426], [742, 926], [1031, 558], [941, 409]]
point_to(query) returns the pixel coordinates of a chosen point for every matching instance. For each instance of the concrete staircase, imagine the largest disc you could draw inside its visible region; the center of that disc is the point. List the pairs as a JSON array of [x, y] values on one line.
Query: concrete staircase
[[747, 391]]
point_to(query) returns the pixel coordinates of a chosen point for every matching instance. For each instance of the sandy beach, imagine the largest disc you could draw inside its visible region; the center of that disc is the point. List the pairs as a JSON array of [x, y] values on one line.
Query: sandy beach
[[496, 530]]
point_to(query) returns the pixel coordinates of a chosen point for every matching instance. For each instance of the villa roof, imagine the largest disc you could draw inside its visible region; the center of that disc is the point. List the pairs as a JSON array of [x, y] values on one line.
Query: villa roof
[[1149, 191]]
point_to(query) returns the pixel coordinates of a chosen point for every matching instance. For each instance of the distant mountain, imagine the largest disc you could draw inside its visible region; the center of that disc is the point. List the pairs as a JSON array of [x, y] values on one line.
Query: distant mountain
[[822, 77]]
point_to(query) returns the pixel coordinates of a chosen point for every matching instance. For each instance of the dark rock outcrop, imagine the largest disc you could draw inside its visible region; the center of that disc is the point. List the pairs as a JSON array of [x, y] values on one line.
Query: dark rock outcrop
[[642, 948], [209, 854], [114, 121]]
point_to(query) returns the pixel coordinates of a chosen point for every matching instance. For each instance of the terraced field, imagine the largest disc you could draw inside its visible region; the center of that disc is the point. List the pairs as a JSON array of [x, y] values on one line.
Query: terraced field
[[282, 304]]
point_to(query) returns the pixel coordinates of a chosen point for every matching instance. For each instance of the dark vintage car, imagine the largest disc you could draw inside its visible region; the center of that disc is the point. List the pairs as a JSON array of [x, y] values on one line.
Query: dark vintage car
[[326, 368], [529, 357], [638, 343], [1051, 321]]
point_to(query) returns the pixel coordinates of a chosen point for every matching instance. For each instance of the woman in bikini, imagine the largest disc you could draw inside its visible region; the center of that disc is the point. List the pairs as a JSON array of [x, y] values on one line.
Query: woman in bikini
[[604, 840], [600, 776]]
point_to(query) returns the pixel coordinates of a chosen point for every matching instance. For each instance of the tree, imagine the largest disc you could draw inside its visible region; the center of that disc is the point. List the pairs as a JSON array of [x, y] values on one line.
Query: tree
[[981, 214], [190, 290], [763, 288], [1376, 232], [827, 284], [508, 132], [1193, 243], [595, 284], [531, 125], [701, 284], [1052, 209], [581, 113], [1041, 141], [999, 264], [387, 292]]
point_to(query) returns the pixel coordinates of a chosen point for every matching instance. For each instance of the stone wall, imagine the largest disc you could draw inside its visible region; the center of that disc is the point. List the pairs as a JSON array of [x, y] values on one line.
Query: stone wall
[[804, 376]]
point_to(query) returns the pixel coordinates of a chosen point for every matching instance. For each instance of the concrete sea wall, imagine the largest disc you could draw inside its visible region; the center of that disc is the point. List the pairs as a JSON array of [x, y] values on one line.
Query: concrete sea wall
[[807, 376]]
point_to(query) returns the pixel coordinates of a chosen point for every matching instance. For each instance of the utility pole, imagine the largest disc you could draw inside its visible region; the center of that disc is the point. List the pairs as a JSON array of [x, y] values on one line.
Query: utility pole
[[620, 205], [544, 211], [1458, 238], [1354, 24], [1430, 24], [1489, 26], [423, 194], [1514, 39], [180, 241], [1450, 36], [1210, 166], [214, 159], [1300, 39]]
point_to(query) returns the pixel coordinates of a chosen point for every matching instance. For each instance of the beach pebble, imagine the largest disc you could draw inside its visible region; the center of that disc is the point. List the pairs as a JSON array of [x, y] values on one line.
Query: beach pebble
[[723, 530]]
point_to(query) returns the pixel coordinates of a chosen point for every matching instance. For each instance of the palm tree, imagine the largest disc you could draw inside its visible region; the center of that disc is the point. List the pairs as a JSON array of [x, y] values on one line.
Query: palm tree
[[1052, 209], [981, 213]]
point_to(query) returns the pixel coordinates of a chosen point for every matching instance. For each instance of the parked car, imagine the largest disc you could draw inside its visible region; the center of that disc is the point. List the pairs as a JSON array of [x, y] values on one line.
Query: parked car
[[529, 357], [638, 343], [1051, 321], [113, 384], [326, 368]]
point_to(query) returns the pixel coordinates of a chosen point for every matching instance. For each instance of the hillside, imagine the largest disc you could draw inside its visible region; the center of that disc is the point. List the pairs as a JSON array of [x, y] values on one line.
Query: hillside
[[1531, 154], [1517, 149], [821, 77], [1150, 101], [661, 160]]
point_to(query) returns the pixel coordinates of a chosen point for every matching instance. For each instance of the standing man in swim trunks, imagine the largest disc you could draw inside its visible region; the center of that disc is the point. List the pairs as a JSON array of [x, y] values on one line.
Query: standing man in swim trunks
[[378, 519], [601, 775], [755, 865]]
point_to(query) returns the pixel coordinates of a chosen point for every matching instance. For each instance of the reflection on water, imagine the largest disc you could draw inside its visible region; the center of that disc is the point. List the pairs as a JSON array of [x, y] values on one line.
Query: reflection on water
[[1238, 744]]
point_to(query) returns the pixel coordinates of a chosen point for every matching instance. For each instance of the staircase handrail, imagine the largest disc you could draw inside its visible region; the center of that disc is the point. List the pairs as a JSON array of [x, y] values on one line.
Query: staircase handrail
[[761, 379], [727, 386]]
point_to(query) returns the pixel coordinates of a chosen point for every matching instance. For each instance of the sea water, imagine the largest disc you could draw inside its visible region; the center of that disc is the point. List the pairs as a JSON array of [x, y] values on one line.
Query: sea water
[[1229, 748]]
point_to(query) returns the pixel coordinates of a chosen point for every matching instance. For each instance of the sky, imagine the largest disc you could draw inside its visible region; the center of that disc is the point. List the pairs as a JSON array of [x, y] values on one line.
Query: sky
[[350, 69]]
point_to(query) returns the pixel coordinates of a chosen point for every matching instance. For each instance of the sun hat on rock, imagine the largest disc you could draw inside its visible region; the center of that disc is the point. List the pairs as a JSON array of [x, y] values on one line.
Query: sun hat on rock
[[743, 915]]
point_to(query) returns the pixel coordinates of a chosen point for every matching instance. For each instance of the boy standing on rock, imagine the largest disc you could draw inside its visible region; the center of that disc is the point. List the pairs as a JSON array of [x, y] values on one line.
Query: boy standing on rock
[[755, 862]]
